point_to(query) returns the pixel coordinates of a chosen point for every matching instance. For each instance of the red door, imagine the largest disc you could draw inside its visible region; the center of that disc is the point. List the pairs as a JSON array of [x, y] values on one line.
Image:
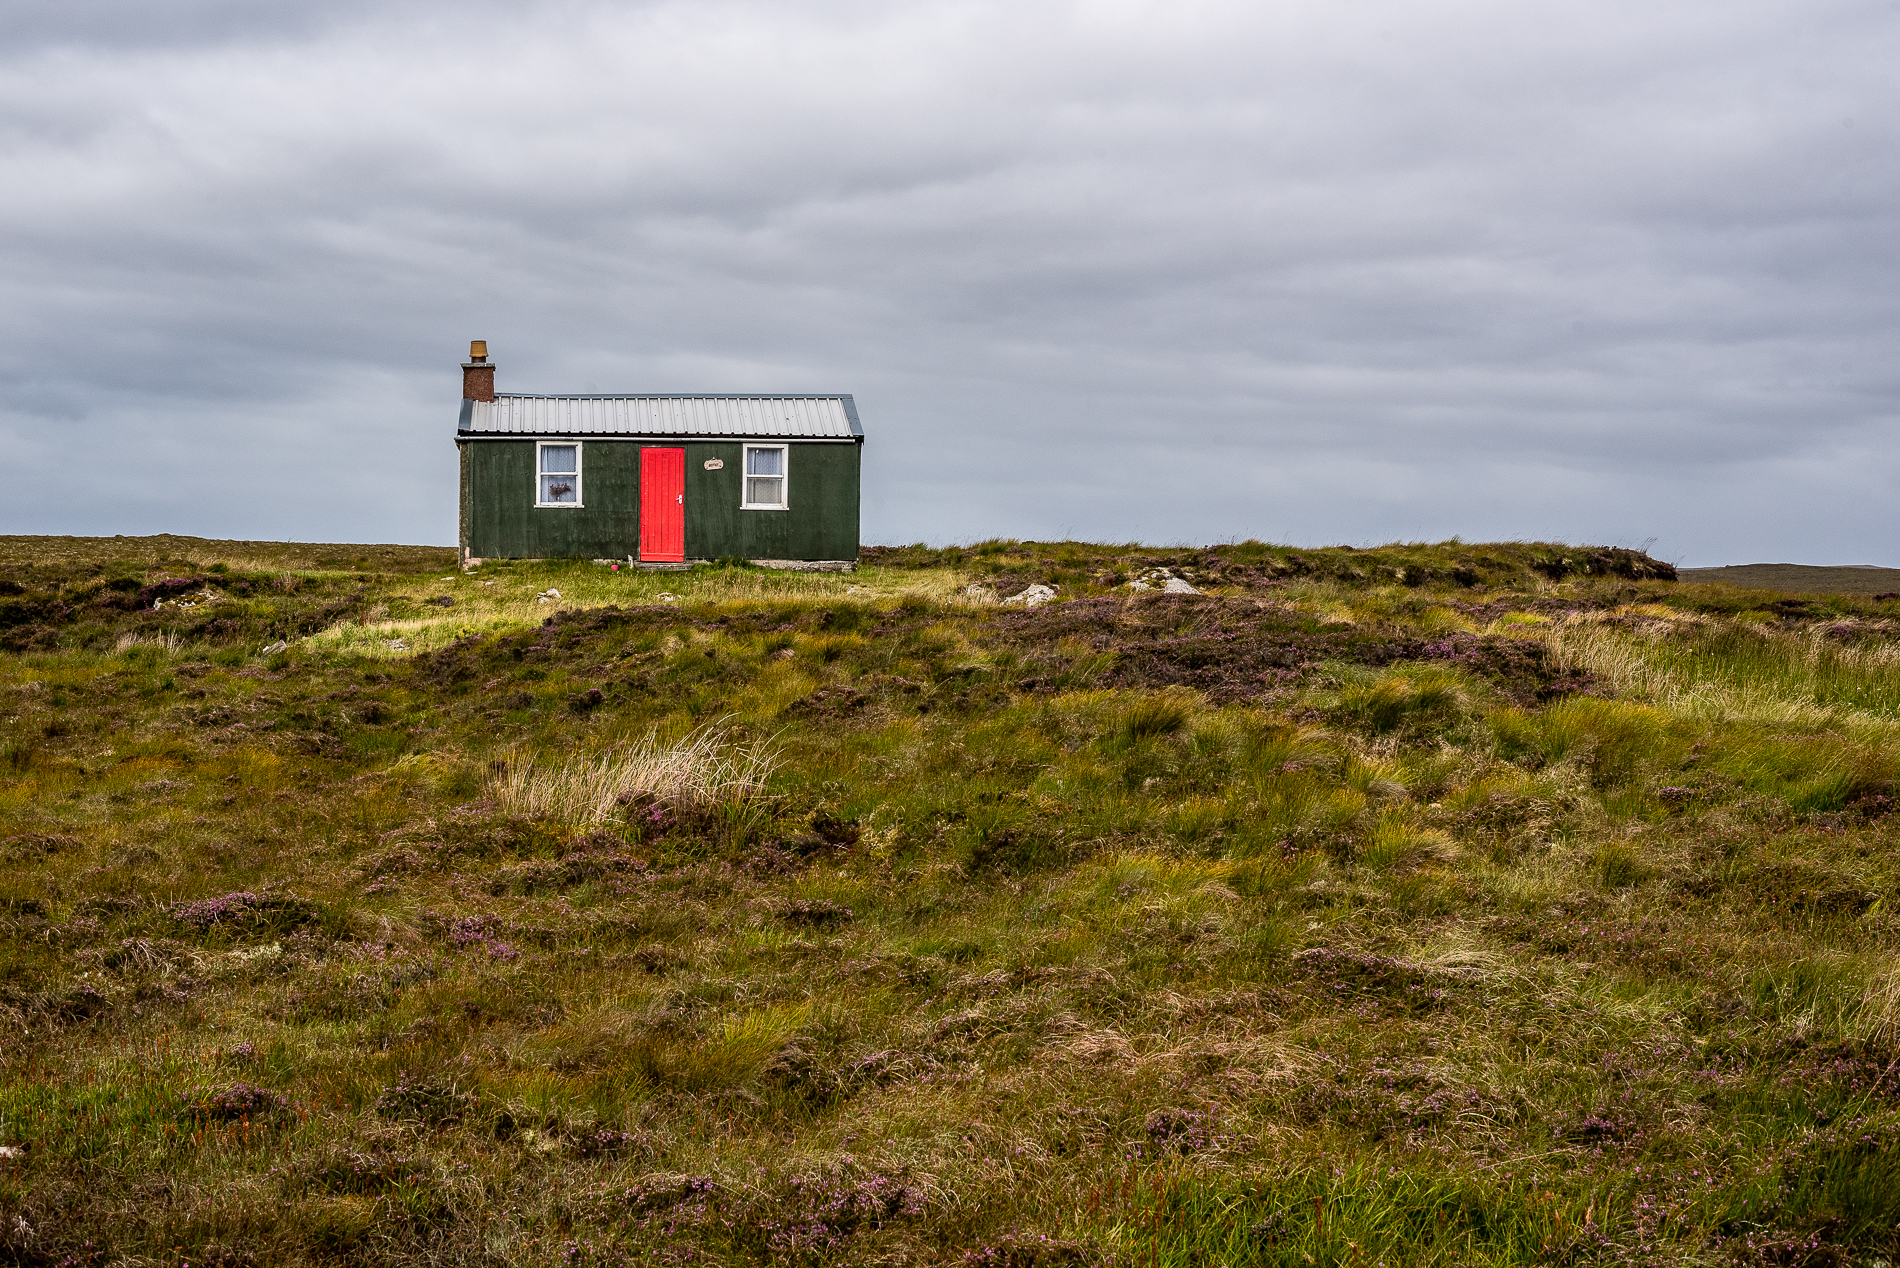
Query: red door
[[663, 505]]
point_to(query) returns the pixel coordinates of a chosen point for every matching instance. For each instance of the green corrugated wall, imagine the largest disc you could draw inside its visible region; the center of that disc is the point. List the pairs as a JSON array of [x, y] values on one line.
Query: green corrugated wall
[[501, 521]]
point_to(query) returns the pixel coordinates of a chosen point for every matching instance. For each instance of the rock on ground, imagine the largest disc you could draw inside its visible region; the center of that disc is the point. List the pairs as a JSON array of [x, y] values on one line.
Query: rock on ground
[[1164, 580], [1034, 597]]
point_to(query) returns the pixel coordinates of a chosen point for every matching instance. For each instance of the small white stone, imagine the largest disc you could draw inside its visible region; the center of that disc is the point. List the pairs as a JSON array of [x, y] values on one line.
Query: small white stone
[[1034, 597], [1177, 586]]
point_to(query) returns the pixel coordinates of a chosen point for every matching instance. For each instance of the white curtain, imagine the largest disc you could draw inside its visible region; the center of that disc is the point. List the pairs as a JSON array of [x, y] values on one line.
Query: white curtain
[[559, 458]]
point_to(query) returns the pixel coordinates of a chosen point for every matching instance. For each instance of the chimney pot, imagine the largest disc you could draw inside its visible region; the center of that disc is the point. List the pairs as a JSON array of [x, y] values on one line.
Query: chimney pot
[[478, 350]]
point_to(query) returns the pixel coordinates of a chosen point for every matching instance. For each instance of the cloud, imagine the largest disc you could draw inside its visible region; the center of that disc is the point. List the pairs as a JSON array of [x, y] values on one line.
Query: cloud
[[1126, 270]]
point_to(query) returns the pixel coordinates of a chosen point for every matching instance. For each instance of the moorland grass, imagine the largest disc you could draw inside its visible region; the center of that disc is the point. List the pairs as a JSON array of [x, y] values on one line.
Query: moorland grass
[[1429, 904]]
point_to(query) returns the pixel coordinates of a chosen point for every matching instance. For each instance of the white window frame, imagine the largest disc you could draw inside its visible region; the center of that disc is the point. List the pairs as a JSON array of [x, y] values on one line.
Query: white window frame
[[785, 479], [577, 503]]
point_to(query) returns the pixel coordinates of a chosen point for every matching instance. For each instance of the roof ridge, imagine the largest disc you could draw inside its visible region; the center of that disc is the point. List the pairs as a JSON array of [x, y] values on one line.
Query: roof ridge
[[751, 415], [673, 396]]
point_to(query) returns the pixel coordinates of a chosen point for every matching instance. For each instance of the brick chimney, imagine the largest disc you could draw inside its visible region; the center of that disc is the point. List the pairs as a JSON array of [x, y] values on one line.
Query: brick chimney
[[478, 377]]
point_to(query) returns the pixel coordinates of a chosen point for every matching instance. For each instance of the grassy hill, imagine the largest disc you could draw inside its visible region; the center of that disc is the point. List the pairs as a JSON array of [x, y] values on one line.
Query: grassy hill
[[1428, 904]]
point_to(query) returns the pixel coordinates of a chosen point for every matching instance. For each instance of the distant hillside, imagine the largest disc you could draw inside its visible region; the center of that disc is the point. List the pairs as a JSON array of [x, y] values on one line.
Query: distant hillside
[[172, 550], [1800, 578]]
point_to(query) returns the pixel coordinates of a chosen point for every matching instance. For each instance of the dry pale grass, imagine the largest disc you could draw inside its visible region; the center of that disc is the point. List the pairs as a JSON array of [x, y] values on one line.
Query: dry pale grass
[[168, 641], [1627, 664], [706, 771], [1879, 1017]]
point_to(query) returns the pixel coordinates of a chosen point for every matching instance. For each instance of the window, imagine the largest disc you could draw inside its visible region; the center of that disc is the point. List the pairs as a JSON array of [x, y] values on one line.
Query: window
[[764, 478], [557, 480]]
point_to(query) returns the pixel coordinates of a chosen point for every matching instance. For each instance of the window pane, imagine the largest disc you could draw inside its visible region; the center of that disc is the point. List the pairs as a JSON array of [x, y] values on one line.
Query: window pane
[[559, 488], [558, 458], [769, 491], [765, 462]]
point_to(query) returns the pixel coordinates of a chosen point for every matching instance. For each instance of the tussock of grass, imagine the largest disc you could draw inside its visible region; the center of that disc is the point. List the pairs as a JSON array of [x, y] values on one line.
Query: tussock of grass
[[1396, 843], [1387, 702], [165, 642], [1879, 1014], [703, 773]]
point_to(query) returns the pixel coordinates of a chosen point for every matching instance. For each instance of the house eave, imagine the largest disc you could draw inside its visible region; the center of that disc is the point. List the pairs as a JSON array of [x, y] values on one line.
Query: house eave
[[647, 438]]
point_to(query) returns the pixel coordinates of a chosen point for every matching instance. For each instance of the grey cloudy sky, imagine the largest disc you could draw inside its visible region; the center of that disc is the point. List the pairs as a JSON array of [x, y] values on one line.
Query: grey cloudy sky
[[1177, 272]]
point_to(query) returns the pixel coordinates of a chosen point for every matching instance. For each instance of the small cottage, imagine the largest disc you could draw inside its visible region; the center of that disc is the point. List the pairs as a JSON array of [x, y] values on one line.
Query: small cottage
[[657, 479]]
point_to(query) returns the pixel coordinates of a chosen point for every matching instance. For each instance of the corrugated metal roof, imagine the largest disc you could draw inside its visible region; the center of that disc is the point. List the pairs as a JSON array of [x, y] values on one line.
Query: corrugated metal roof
[[813, 417]]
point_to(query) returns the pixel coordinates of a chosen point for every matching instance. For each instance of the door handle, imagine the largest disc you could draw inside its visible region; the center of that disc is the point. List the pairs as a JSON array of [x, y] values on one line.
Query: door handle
[[680, 498]]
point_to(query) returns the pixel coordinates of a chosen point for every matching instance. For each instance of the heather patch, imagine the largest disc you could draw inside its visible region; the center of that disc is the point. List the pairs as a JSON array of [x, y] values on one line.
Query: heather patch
[[1033, 1250], [818, 1214], [813, 913], [1676, 947], [362, 1173], [431, 1101], [126, 613], [1240, 650], [1399, 1101], [1358, 979], [240, 1101], [545, 876], [666, 1207], [606, 1142], [245, 913], [1185, 1132], [34, 845]]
